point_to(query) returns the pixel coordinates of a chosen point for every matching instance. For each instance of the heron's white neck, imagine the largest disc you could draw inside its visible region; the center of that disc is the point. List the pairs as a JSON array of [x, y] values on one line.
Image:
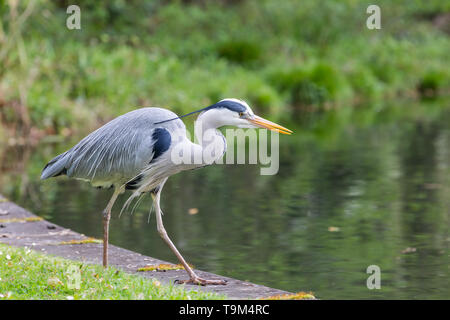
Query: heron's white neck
[[211, 142]]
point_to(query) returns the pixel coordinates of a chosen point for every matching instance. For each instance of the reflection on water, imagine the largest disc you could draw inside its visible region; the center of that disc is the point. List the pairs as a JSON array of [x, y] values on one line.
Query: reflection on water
[[348, 195]]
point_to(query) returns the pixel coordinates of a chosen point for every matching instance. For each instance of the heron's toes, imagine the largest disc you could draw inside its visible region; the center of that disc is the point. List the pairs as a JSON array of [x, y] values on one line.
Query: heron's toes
[[201, 282]]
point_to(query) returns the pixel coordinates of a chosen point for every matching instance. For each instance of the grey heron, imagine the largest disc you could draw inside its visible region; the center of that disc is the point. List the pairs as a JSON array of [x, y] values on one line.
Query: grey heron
[[135, 151]]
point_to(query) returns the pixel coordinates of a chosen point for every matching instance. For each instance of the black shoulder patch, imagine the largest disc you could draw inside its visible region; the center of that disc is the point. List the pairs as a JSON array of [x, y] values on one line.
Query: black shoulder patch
[[135, 183], [162, 142]]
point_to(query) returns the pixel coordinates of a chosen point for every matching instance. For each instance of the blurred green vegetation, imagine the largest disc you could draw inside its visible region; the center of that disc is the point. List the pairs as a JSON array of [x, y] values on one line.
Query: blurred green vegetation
[[284, 57]]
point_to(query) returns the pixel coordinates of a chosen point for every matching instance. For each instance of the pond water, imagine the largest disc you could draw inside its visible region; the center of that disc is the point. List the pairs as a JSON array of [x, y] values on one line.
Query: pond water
[[370, 188]]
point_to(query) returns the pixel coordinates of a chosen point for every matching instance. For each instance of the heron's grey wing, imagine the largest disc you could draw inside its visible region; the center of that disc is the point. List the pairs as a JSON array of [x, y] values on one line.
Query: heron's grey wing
[[117, 151], [111, 155]]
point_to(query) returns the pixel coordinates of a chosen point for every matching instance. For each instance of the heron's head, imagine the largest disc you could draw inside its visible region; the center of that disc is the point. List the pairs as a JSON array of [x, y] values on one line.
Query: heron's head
[[234, 112]]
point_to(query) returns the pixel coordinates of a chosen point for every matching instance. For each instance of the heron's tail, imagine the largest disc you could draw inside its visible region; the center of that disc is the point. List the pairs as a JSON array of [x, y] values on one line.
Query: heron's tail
[[56, 167]]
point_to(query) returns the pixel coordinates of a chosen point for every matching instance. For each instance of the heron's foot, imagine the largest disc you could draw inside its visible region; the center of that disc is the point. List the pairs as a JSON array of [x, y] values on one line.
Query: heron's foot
[[201, 282]]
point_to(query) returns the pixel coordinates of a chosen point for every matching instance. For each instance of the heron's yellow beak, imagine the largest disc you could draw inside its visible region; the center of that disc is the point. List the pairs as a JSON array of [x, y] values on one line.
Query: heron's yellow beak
[[263, 123]]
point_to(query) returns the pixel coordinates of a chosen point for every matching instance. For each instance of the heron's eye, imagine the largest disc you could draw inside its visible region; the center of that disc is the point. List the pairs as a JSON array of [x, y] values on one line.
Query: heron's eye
[[241, 114]]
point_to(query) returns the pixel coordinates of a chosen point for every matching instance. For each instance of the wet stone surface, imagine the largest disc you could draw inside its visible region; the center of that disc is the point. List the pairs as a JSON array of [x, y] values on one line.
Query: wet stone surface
[[19, 227]]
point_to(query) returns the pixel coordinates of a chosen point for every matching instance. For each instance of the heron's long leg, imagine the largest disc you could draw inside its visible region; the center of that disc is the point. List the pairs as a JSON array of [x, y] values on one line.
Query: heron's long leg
[[106, 218], [162, 232]]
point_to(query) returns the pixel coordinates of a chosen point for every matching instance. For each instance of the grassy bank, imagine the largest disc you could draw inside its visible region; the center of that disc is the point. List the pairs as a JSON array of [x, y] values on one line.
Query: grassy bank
[[26, 274], [285, 58]]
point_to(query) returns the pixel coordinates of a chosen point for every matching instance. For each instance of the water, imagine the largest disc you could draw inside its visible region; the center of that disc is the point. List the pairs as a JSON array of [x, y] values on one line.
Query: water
[[370, 188]]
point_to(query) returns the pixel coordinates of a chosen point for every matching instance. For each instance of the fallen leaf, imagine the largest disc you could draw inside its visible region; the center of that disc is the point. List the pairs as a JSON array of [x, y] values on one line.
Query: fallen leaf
[[156, 283], [54, 281], [21, 220], [88, 240], [293, 296], [140, 296], [334, 229], [192, 211], [163, 267]]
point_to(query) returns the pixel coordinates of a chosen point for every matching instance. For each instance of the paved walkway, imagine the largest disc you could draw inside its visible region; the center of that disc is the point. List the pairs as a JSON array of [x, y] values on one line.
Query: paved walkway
[[19, 227]]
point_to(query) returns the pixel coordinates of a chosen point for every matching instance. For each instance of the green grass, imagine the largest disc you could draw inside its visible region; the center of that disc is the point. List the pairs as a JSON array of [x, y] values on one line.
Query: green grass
[[26, 274]]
